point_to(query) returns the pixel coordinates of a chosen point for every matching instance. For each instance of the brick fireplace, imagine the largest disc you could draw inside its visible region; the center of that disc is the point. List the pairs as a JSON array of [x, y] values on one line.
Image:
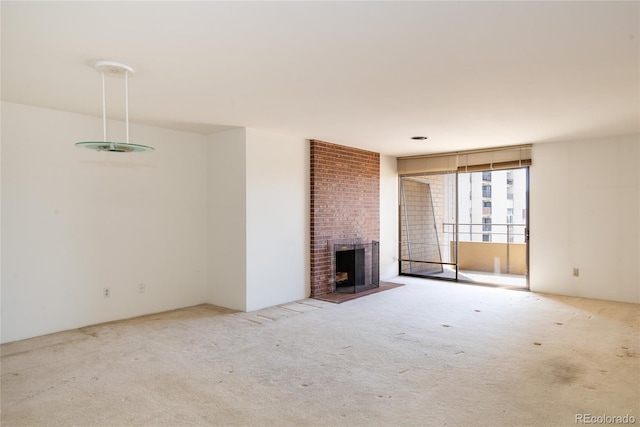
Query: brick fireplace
[[345, 205]]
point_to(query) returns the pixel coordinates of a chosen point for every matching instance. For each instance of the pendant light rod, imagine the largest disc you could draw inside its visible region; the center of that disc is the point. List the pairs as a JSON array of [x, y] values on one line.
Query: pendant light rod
[[104, 109], [126, 102]]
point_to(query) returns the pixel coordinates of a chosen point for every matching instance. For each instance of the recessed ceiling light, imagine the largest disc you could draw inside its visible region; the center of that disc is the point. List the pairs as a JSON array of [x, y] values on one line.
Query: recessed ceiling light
[[419, 138]]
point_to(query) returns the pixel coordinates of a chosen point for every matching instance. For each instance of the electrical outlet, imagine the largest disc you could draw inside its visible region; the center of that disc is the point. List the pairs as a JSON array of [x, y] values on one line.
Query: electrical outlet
[[106, 292], [141, 288], [576, 272]]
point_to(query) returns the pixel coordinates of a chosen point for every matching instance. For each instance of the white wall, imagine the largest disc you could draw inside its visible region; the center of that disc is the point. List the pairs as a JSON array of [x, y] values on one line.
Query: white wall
[[585, 213], [75, 221], [1, 105], [227, 237], [277, 219], [258, 219], [388, 217]]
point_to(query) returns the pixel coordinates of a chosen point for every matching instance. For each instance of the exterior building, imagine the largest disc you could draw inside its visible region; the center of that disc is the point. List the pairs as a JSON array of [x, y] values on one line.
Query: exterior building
[[492, 206]]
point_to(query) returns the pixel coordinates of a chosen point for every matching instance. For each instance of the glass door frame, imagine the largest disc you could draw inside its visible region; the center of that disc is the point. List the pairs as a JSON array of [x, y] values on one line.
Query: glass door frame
[[401, 194]]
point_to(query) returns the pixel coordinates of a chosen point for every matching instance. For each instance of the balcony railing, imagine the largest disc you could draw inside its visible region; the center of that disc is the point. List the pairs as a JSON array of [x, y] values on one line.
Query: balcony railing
[[514, 233], [468, 249], [505, 252]]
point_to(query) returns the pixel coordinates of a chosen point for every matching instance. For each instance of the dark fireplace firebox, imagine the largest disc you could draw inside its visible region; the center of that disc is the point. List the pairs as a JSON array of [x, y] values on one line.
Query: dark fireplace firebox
[[356, 267]]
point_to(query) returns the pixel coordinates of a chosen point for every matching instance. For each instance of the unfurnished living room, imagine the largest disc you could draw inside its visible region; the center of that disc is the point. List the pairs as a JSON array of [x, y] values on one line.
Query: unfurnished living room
[[375, 213]]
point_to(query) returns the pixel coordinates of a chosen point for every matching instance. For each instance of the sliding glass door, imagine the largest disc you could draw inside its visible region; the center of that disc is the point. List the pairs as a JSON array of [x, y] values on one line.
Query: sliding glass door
[[465, 226]]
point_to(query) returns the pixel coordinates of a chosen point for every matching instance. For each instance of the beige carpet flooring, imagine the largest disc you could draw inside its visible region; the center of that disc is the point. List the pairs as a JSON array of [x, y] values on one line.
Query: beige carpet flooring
[[424, 354]]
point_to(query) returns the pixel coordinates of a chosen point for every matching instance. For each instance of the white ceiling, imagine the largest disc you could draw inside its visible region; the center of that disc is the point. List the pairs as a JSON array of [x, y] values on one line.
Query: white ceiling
[[363, 74]]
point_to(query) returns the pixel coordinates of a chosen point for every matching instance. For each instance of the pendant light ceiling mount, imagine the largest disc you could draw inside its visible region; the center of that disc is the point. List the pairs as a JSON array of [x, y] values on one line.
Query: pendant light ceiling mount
[[113, 68]]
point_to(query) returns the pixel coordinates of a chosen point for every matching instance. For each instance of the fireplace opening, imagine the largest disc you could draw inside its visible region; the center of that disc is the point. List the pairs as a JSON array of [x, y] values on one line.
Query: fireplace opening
[[356, 267]]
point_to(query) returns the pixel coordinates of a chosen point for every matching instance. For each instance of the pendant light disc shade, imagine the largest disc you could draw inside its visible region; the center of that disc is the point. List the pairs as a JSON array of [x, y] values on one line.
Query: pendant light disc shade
[[113, 68], [114, 147]]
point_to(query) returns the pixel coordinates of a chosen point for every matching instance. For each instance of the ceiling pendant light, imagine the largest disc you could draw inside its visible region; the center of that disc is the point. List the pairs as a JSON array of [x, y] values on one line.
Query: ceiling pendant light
[[114, 68]]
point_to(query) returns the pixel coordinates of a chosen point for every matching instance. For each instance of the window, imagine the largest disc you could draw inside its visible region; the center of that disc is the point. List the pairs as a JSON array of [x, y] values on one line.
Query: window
[[486, 207]]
